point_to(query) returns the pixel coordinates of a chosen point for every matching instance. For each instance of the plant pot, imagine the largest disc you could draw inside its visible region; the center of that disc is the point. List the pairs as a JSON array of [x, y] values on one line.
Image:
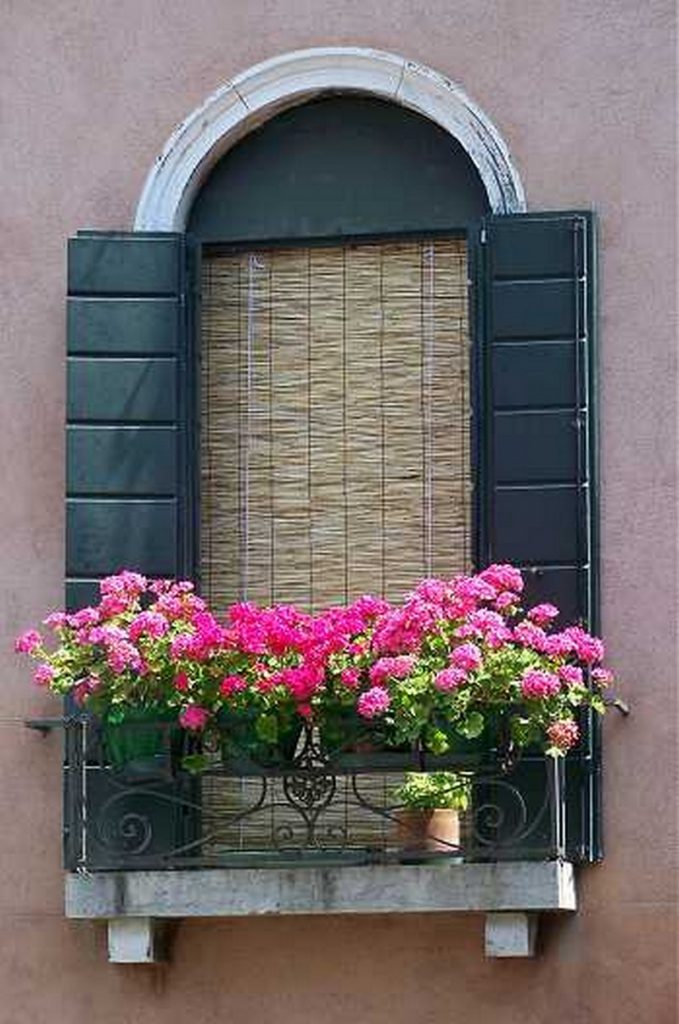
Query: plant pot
[[246, 753], [422, 831], [343, 731], [350, 742], [492, 742], [145, 743]]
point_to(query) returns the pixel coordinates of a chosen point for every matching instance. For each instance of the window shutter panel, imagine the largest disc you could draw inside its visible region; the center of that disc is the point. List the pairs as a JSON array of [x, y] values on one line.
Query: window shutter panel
[[129, 383], [129, 500], [536, 439]]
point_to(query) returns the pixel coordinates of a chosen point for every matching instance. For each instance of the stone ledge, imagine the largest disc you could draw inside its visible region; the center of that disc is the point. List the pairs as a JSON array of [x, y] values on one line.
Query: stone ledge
[[522, 886]]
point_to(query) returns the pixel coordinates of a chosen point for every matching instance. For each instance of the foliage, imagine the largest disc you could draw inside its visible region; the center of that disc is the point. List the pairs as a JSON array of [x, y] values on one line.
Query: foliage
[[434, 790], [454, 662]]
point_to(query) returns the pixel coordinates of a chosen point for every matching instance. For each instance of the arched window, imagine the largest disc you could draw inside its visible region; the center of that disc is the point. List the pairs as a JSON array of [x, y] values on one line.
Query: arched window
[[321, 435]]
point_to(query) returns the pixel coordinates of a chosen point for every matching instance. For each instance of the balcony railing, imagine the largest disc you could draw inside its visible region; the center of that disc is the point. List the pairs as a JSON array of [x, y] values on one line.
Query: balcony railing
[[133, 806]]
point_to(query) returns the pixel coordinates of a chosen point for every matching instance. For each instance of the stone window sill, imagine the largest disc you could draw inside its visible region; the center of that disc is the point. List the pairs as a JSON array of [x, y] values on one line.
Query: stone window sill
[[136, 903]]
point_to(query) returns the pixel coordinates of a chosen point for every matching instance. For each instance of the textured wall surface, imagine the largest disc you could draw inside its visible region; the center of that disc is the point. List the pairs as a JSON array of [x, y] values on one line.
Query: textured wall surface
[[584, 94]]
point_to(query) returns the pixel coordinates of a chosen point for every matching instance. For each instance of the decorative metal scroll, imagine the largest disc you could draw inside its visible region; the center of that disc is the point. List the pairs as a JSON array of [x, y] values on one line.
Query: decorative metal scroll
[[312, 809]]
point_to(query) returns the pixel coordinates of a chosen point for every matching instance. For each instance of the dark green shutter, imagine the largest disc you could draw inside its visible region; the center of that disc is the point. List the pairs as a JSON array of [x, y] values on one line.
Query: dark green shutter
[[130, 482], [536, 439], [129, 477]]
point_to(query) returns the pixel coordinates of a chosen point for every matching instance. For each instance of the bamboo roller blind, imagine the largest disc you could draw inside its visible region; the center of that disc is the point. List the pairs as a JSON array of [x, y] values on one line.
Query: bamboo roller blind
[[335, 421]]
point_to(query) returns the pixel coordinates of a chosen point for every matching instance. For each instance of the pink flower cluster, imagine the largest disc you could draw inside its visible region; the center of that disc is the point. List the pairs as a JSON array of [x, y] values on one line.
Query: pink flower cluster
[[563, 734], [391, 668], [153, 624], [43, 675], [541, 614], [453, 647], [194, 717], [450, 679], [28, 642], [467, 657], [374, 702], [537, 684]]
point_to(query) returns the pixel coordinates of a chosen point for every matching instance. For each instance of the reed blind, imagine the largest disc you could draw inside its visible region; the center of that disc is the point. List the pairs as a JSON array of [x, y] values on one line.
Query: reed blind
[[335, 421]]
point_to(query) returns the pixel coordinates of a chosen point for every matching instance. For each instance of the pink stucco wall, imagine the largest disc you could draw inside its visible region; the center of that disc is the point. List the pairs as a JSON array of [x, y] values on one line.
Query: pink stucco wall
[[584, 93]]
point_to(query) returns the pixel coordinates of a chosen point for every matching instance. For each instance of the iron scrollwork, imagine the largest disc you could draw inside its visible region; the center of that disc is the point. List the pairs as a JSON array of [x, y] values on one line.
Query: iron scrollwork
[[314, 806]]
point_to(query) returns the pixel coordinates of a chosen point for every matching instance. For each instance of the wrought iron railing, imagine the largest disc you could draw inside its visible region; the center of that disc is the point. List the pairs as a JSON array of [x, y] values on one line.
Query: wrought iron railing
[[134, 807]]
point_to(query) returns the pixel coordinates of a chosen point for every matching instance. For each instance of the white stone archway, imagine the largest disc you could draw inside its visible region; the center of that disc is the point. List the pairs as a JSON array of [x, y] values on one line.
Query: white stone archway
[[266, 89]]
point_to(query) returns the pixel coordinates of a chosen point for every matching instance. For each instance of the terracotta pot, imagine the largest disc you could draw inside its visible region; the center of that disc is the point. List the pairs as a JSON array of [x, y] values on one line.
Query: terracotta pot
[[428, 830]]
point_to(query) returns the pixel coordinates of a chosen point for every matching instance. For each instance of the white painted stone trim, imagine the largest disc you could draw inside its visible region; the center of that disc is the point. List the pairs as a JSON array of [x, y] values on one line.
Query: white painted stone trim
[[510, 934], [135, 940], [255, 95]]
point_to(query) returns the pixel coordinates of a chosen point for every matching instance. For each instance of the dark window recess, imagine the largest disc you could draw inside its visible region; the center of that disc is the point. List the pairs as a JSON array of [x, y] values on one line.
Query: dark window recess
[[340, 166]]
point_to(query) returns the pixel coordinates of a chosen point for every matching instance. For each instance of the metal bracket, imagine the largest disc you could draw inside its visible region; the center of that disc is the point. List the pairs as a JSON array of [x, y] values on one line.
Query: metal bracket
[[46, 725], [620, 705]]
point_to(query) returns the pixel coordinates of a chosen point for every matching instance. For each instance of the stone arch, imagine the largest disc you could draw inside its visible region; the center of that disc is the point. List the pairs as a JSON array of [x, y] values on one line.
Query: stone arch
[[266, 89]]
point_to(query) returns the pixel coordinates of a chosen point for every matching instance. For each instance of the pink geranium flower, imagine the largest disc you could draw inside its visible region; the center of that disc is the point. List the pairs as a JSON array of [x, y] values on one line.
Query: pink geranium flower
[[563, 734], [532, 636], [391, 668], [56, 620], [232, 684], [125, 582], [468, 657], [450, 679], [536, 683], [27, 642], [602, 677], [84, 617], [114, 604], [351, 677], [149, 623], [571, 674], [374, 702], [589, 649], [194, 717], [503, 577], [541, 614], [123, 655], [44, 674]]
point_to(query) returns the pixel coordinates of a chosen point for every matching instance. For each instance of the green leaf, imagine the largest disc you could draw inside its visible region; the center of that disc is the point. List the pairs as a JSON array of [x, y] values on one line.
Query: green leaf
[[597, 703], [195, 763], [266, 728], [524, 731], [116, 714], [472, 726], [436, 741]]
